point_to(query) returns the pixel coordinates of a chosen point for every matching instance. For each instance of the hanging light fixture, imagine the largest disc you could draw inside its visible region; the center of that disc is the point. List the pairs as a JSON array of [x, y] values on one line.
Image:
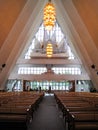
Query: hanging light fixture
[[49, 50], [49, 16]]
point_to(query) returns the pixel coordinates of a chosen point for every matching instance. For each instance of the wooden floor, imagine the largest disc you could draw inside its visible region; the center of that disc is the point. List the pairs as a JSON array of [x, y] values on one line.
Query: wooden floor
[[48, 116]]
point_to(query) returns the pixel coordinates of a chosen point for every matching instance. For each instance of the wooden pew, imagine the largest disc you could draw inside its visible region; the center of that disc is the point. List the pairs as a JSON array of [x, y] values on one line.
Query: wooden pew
[[16, 110], [83, 109], [82, 120], [14, 119]]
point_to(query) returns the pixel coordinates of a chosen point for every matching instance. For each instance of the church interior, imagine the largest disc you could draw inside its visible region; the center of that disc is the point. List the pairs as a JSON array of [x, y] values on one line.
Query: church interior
[[49, 64]]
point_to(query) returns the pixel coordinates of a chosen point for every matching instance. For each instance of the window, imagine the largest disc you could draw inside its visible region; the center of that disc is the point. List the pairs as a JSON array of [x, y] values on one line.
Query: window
[[31, 70], [67, 70], [56, 36]]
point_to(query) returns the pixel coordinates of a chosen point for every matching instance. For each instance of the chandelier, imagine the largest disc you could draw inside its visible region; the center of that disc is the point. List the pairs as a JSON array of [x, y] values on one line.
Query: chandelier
[[49, 16], [49, 50]]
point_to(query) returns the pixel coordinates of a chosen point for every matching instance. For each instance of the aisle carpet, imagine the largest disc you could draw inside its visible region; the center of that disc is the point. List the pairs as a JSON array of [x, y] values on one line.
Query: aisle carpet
[[48, 116]]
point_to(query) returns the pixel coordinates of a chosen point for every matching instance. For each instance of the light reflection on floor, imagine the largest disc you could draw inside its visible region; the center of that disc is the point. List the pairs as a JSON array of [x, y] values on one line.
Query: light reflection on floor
[[49, 94]]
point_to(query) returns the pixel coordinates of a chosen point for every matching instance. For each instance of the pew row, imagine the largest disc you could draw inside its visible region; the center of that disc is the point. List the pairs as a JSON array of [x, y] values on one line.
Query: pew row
[[16, 110], [85, 120]]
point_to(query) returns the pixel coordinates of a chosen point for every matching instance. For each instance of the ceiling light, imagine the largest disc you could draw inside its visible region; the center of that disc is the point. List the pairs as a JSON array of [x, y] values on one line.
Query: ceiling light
[[49, 16], [49, 50]]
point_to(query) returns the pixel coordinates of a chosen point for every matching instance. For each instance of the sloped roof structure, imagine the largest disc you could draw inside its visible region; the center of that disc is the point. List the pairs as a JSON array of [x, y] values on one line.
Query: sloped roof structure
[[20, 21]]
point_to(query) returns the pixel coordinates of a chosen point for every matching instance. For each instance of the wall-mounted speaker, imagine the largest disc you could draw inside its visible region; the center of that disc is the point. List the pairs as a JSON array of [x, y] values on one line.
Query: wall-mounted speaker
[[93, 66], [3, 65]]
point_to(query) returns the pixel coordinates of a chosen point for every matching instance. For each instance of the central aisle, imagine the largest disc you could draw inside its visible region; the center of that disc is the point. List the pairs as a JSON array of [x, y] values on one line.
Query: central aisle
[[47, 116]]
